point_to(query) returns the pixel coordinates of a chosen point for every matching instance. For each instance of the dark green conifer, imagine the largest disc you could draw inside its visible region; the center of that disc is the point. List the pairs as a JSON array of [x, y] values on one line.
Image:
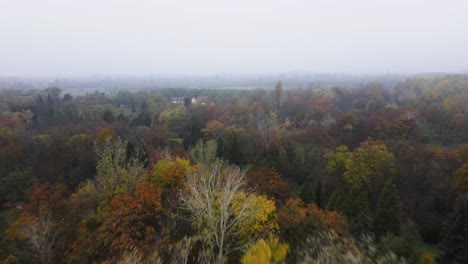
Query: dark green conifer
[[361, 218], [455, 244], [307, 193], [334, 201], [387, 216]]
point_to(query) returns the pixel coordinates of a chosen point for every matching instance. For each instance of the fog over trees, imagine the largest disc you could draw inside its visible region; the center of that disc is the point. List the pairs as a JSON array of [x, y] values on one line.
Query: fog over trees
[[351, 173], [248, 131]]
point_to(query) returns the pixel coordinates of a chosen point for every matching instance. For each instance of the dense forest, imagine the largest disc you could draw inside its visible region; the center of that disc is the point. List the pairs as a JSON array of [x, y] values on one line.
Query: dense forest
[[371, 174]]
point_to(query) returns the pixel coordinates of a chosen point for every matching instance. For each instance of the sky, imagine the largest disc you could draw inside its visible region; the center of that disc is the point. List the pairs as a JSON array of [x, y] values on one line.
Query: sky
[[204, 37]]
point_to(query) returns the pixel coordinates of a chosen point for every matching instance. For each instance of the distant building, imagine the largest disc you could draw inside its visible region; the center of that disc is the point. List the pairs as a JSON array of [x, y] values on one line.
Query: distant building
[[201, 100], [177, 100]]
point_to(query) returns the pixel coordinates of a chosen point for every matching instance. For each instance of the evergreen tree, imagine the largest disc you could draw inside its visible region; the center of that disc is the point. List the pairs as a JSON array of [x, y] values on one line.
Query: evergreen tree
[[195, 132], [455, 244], [280, 95], [235, 153], [108, 116], [318, 194], [352, 204], [360, 220], [187, 102], [143, 119], [220, 151], [387, 215], [307, 193], [334, 201], [40, 100]]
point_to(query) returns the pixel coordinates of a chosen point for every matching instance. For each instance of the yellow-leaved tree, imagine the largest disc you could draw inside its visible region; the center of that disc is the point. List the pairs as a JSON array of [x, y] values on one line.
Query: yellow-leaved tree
[[170, 174], [225, 218], [269, 251], [369, 167]]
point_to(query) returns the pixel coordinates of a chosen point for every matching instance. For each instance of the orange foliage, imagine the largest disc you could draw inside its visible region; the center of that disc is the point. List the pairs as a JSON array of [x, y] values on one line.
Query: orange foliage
[[37, 223], [297, 220], [212, 129], [132, 220], [268, 181], [46, 197], [292, 214]]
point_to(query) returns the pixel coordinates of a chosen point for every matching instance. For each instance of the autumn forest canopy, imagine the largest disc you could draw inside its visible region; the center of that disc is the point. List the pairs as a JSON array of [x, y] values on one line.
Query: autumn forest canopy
[[333, 174]]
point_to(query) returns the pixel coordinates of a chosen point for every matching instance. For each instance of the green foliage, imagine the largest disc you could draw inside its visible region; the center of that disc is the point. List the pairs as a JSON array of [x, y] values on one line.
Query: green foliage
[[355, 205], [334, 201], [360, 216], [455, 243], [388, 214], [307, 193], [369, 166], [12, 186], [230, 145], [115, 172], [175, 119], [280, 95], [108, 116], [336, 161], [204, 152], [350, 203]]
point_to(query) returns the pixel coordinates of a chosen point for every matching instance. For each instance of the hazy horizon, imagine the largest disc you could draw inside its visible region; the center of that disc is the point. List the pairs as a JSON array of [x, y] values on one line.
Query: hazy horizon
[[208, 37]]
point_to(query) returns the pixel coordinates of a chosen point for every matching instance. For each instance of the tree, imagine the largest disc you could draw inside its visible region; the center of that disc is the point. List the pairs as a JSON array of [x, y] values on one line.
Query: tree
[[280, 96], [132, 221], [455, 240], [115, 172], [334, 203], [13, 185], [39, 224], [267, 181], [360, 219], [175, 119], [212, 129], [335, 167], [369, 166], [328, 247], [220, 212], [108, 116], [170, 175], [270, 251], [297, 221], [204, 152], [387, 216], [231, 145], [307, 193]]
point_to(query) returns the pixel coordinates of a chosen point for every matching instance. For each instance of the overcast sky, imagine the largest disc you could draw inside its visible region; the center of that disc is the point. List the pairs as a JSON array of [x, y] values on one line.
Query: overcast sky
[[199, 37]]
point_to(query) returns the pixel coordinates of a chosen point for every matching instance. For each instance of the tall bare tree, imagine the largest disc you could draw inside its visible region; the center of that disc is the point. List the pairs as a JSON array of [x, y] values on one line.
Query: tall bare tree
[[211, 200]]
